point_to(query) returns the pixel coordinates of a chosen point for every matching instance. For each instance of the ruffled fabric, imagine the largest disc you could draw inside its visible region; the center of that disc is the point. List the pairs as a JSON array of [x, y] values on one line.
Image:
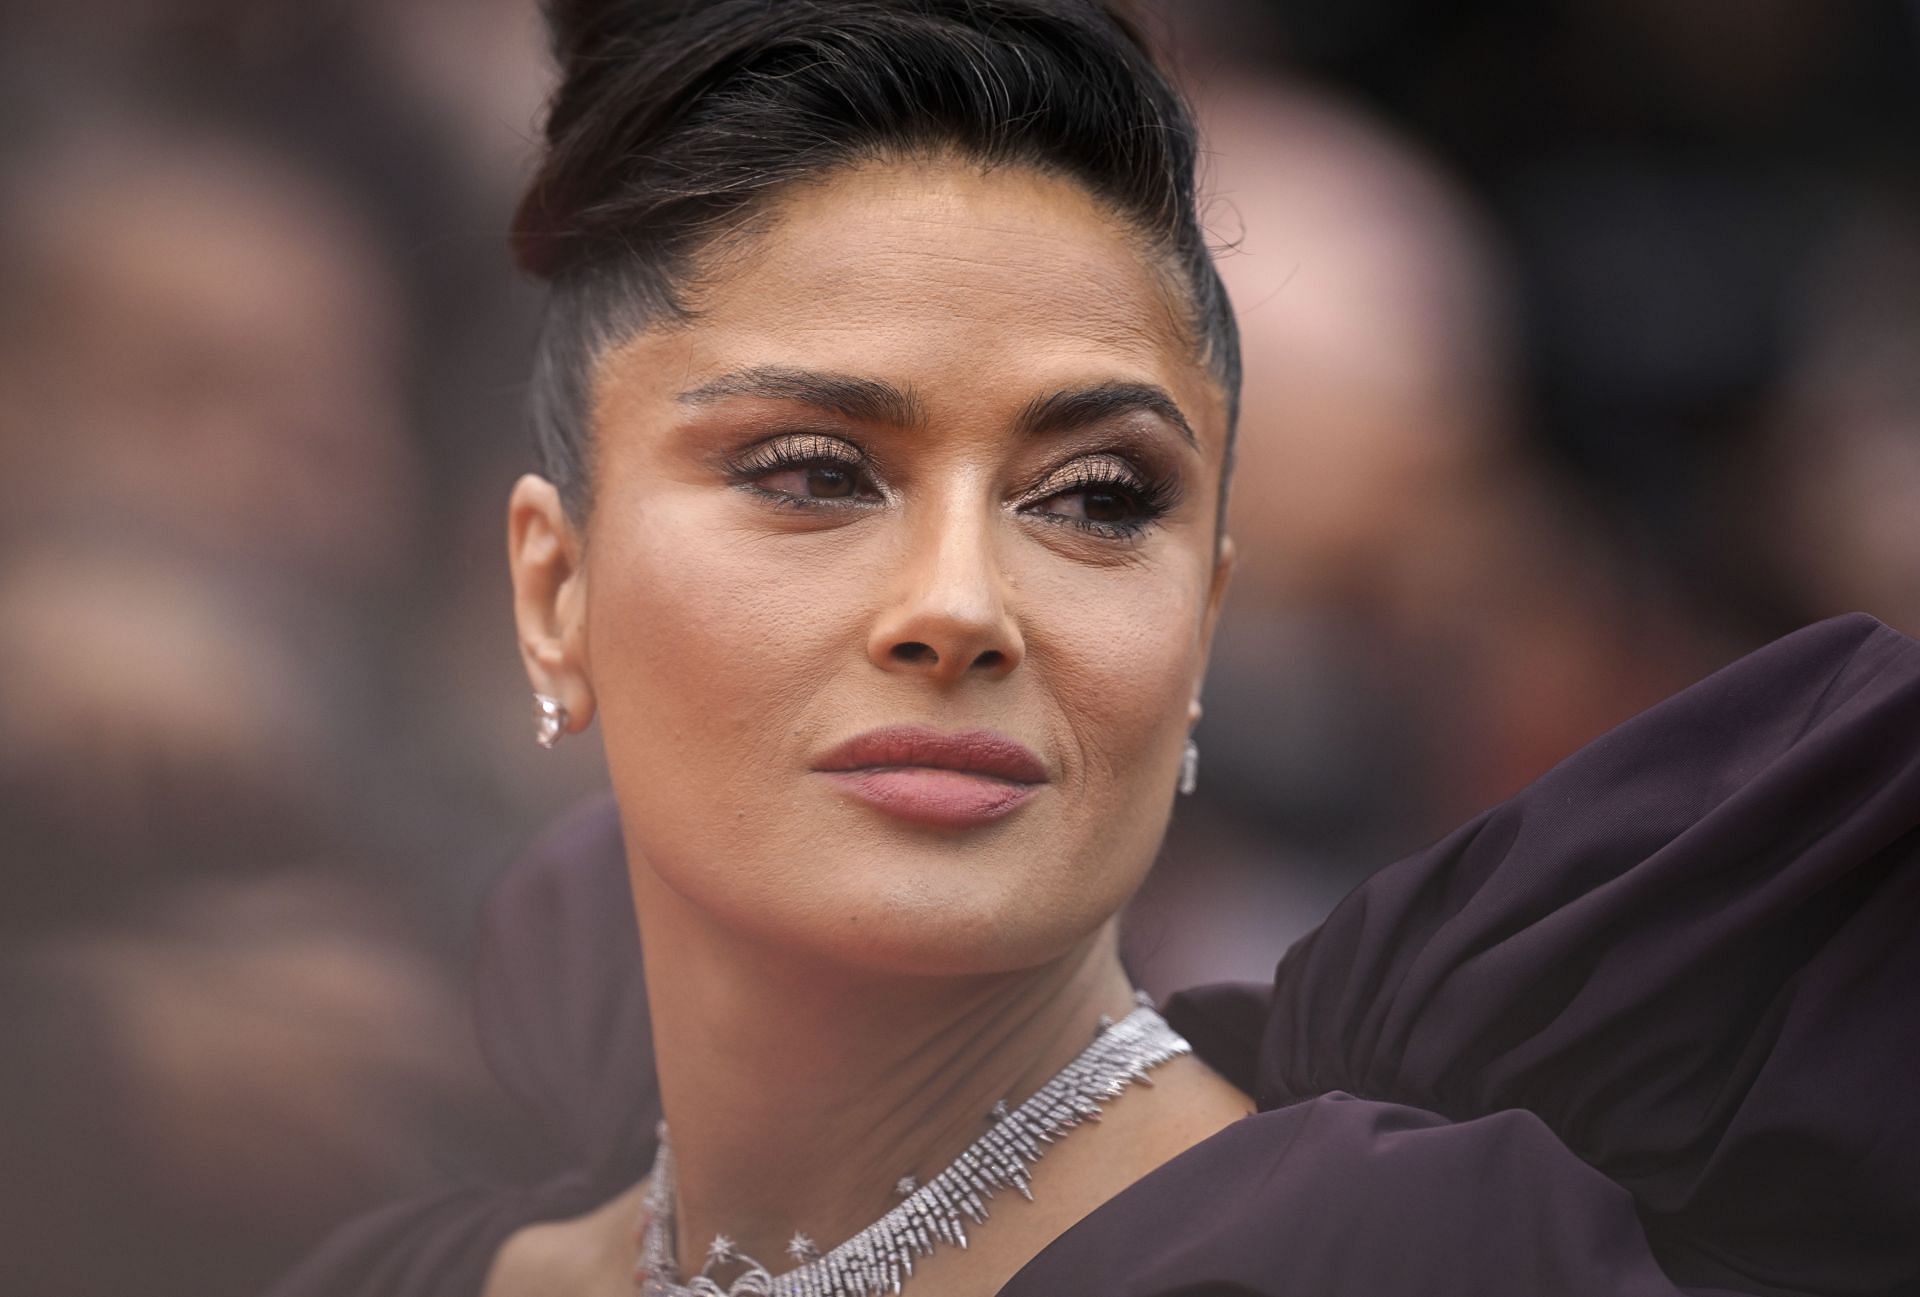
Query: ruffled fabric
[[1344, 1197], [1692, 950], [1677, 977], [1649, 1027]]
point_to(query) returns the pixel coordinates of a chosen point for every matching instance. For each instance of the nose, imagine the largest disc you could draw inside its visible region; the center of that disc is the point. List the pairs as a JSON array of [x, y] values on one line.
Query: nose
[[946, 614]]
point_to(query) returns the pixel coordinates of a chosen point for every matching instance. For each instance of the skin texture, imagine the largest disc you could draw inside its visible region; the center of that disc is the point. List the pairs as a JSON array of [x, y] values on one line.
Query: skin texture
[[840, 994]]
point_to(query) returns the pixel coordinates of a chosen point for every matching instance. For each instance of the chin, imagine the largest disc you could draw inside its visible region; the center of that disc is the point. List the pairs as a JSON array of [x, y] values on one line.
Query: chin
[[907, 917], [935, 938]]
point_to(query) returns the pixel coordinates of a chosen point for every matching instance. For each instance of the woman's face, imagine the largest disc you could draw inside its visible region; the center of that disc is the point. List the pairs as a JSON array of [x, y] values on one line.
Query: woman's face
[[935, 449]]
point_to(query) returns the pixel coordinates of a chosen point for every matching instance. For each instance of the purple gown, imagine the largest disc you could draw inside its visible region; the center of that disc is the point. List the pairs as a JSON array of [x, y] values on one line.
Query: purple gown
[[1651, 1026]]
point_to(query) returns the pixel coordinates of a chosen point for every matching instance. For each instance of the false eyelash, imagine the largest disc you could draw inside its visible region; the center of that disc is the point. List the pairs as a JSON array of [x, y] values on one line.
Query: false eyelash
[[1152, 496], [800, 450], [803, 450]]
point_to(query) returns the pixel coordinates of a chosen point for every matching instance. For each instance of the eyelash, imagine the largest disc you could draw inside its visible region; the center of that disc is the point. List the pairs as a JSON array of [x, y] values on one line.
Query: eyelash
[[1151, 497]]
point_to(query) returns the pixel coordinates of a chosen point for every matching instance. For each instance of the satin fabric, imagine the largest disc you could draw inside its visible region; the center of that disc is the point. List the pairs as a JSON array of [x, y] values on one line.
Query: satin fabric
[[1649, 1027]]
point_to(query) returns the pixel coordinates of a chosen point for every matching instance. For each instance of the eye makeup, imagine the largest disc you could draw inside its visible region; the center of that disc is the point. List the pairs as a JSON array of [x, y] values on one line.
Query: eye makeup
[[1108, 483], [1120, 498]]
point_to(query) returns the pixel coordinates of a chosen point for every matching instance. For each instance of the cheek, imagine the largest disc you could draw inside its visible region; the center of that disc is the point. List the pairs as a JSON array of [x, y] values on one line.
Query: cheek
[[1118, 663], [724, 654], [707, 645], [1119, 666]]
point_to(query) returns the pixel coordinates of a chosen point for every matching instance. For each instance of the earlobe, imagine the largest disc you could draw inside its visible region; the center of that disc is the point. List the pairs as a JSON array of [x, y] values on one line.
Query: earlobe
[[549, 596]]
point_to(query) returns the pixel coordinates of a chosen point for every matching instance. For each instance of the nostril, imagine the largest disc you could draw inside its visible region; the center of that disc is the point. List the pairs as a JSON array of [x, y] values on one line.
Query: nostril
[[915, 652]]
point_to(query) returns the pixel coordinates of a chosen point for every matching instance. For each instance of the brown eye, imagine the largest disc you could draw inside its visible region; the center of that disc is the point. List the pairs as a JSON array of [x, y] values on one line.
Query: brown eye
[[1106, 506], [827, 481], [806, 471], [1108, 500], [812, 480], [1114, 506], [1094, 503]]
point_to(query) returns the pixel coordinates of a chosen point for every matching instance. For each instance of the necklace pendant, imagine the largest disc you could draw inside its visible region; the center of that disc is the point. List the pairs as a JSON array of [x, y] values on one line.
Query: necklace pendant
[[880, 1258]]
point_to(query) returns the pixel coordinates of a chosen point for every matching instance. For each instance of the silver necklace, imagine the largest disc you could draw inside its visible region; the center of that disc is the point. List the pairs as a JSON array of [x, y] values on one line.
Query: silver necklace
[[880, 1257]]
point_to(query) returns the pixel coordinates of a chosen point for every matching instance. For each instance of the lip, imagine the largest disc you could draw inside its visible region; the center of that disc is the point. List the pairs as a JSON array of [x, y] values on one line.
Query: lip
[[929, 776]]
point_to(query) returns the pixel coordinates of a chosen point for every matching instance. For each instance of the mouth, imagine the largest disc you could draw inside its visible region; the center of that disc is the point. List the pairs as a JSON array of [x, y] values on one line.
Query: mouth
[[973, 752], [926, 776]]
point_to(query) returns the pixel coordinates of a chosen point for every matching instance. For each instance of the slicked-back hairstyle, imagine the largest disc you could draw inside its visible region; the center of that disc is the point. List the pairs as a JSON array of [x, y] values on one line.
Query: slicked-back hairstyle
[[675, 120]]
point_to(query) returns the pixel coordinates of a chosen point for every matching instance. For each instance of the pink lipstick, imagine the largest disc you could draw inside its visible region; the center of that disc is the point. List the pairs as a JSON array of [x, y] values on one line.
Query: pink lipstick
[[921, 774]]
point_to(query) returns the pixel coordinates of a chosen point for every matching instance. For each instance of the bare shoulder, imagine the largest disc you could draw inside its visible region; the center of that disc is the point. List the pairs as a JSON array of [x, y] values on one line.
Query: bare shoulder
[[1192, 1103], [591, 1255], [1141, 1130]]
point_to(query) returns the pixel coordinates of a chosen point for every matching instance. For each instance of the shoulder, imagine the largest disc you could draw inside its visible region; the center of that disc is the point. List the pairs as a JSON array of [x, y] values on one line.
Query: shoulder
[[1344, 1195], [591, 1255]]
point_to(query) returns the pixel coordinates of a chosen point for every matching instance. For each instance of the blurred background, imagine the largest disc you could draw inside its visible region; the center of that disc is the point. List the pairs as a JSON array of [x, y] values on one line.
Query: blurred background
[[1583, 355]]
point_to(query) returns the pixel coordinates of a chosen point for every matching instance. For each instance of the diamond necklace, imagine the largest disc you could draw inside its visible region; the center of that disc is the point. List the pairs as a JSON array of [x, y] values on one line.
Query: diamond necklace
[[880, 1257]]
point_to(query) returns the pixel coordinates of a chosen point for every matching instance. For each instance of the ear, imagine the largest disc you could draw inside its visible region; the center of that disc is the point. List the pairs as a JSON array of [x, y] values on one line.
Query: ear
[[544, 553], [1216, 600]]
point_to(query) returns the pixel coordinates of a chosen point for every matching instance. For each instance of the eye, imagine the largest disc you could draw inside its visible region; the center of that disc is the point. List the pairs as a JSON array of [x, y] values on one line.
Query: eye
[[807, 470], [1105, 497]]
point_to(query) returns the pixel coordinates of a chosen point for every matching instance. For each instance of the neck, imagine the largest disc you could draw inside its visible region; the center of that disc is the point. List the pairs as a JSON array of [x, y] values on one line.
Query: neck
[[800, 1092]]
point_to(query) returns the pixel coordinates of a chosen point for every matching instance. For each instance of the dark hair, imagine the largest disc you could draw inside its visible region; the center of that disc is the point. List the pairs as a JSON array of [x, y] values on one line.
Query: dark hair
[[673, 120]]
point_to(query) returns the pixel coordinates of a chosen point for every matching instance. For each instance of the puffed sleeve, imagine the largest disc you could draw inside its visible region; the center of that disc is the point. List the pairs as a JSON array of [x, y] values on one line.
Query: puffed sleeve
[[1343, 1197], [1690, 953]]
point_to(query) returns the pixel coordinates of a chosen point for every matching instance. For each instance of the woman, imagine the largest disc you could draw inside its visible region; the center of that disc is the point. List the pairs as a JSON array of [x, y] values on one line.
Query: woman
[[886, 413]]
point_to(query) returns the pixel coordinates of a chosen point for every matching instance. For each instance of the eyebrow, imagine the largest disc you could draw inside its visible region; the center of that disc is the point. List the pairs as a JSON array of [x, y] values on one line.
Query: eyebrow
[[879, 401], [844, 394], [1080, 406]]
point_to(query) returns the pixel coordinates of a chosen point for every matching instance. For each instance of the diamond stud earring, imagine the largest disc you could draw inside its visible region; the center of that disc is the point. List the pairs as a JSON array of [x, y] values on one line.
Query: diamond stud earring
[[1189, 767], [549, 720]]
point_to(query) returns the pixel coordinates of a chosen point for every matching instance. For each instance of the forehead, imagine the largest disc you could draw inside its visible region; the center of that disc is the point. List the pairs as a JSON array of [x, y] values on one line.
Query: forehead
[[974, 287]]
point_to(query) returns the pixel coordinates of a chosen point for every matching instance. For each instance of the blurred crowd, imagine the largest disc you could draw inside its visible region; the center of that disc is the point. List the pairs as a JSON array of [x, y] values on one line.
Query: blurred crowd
[[1582, 342]]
